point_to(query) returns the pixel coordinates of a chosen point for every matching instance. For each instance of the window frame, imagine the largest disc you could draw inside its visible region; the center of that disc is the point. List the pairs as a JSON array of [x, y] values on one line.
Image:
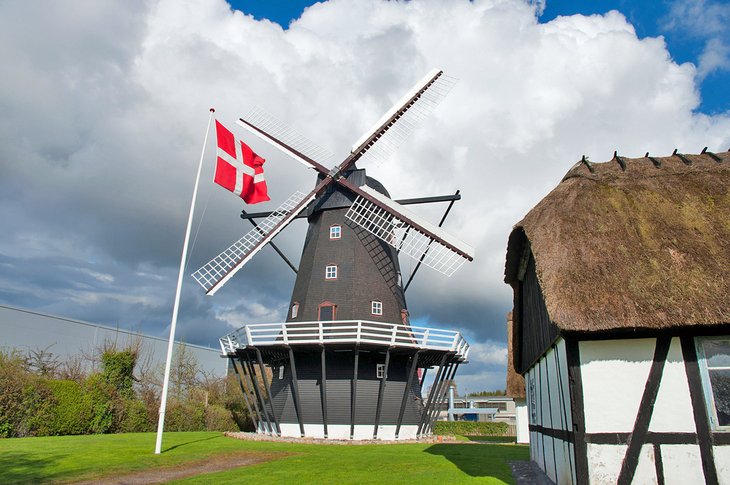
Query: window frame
[[327, 272], [379, 305], [335, 231], [326, 304], [707, 392], [380, 371]]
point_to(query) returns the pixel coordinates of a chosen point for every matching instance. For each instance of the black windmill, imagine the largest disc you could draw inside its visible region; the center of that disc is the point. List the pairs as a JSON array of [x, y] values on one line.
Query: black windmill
[[346, 363]]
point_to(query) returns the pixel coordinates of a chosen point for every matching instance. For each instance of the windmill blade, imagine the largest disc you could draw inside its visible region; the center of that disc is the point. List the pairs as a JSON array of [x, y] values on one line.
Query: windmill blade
[[386, 135], [220, 269], [407, 232], [286, 139]]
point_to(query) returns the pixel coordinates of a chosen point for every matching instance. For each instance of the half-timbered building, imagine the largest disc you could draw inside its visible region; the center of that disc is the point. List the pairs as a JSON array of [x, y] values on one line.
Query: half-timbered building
[[621, 321]]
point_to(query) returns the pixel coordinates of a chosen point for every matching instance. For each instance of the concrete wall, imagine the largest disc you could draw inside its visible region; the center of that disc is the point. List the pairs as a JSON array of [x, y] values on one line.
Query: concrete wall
[[27, 330]]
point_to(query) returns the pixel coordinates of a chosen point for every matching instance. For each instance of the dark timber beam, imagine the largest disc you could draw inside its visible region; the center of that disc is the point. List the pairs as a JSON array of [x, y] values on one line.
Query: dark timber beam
[[243, 390], [406, 392], [295, 389], [323, 393], [259, 397], [268, 391], [353, 403], [423, 256], [256, 418], [419, 200], [435, 408], [444, 392], [271, 243], [380, 394], [429, 401]]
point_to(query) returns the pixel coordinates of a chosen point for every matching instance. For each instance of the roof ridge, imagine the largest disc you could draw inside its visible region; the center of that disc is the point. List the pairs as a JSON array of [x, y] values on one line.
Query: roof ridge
[[673, 164]]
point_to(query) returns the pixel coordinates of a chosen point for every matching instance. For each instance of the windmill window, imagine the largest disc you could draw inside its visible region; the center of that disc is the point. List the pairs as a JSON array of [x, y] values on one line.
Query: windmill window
[[335, 232], [330, 273], [295, 310], [376, 307], [380, 370], [281, 372], [327, 311], [714, 358]]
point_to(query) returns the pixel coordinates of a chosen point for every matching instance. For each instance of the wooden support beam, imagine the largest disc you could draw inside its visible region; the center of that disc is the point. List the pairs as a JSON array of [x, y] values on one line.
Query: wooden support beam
[[429, 401], [295, 389], [243, 389], [406, 392], [380, 394], [353, 402], [268, 391], [323, 393], [259, 397]]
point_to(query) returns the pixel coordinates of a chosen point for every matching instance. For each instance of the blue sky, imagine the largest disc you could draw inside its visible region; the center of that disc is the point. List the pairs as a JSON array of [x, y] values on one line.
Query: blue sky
[[649, 18]]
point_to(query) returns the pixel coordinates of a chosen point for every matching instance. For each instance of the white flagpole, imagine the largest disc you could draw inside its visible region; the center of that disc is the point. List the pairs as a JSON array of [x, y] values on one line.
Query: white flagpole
[[173, 324]]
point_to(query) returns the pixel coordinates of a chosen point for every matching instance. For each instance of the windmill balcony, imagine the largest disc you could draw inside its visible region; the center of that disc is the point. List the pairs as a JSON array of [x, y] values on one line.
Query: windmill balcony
[[345, 333]]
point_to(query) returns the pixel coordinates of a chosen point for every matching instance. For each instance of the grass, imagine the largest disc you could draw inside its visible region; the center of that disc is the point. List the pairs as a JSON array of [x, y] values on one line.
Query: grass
[[73, 458]]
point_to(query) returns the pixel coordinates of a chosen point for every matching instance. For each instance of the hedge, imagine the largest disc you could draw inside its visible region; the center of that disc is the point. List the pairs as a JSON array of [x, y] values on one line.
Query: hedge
[[470, 428]]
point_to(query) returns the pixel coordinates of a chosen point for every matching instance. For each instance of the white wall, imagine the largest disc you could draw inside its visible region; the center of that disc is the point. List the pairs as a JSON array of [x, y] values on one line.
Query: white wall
[[548, 405], [614, 375]]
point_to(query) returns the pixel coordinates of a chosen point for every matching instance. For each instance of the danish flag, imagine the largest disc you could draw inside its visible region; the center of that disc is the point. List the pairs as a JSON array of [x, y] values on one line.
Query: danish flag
[[238, 168]]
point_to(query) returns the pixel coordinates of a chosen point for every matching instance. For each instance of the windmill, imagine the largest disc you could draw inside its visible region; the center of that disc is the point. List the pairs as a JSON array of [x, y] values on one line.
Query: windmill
[[344, 363]]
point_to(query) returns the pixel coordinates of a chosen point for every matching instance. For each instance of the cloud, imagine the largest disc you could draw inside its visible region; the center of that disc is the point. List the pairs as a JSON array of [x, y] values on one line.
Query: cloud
[[105, 113], [708, 21]]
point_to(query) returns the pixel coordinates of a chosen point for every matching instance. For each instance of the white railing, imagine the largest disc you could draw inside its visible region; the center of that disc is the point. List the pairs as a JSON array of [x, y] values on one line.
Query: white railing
[[345, 332]]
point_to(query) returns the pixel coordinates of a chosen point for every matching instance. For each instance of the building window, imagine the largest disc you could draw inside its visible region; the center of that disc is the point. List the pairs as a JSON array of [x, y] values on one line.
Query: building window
[[380, 370], [335, 232], [330, 273], [327, 311], [376, 307], [295, 310], [281, 372], [714, 356]]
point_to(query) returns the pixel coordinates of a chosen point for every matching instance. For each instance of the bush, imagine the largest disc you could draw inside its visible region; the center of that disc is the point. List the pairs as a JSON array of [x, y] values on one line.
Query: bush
[[70, 409], [135, 418], [118, 368], [184, 416], [218, 418], [470, 428]]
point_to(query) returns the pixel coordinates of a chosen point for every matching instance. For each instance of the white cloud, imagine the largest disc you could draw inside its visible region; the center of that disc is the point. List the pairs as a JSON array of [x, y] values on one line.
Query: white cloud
[[104, 117], [708, 21]]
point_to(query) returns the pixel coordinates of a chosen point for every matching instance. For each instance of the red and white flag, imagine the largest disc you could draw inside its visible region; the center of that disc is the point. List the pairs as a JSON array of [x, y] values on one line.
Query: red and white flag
[[238, 168]]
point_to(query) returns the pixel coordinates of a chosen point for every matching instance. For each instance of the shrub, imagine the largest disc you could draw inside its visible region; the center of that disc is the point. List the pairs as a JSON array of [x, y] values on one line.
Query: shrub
[[118, 368], [135, 418], [102, 396], [218, 418], [70, 410], [184, 416], [470, 428]]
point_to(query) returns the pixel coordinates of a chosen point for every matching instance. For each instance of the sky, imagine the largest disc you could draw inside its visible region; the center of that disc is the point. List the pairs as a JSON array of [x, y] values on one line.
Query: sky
[[105, 104]]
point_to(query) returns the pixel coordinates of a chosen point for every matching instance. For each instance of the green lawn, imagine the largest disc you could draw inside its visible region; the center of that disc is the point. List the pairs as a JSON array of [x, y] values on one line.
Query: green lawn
[[72, 458]]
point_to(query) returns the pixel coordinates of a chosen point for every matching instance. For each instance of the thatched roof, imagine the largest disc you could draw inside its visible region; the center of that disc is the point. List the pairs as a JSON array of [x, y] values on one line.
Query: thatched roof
[[515, 382], [638, 243]]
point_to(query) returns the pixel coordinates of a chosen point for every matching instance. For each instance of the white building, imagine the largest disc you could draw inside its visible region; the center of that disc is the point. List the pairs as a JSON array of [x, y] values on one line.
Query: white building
[[621, 280]]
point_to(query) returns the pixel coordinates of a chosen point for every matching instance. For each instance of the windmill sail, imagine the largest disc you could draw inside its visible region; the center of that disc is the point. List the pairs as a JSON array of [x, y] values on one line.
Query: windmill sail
[[220, 269], [285, 138], [387, 134], [407, 232]]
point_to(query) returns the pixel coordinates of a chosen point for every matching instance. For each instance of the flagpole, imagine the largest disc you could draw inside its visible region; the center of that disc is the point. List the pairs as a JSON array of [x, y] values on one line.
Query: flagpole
[[176, 306]]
